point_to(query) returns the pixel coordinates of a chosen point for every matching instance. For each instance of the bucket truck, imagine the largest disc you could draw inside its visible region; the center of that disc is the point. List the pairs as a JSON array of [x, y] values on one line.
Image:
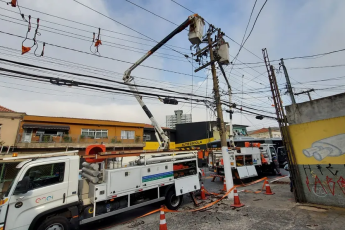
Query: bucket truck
[[50, 192]]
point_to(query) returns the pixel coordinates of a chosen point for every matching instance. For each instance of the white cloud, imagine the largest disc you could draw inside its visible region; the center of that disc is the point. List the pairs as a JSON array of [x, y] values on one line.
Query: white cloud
[[285, 28]]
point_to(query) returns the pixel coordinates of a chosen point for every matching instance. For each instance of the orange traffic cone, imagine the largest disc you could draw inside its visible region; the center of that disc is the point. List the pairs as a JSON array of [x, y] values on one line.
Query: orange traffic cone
[[268, 189], [203, 195], [203, 172], [237, 202], [162, 222], [224, 186]]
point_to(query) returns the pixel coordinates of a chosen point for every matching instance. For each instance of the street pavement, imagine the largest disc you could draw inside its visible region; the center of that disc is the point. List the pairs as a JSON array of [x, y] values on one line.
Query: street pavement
[[278, 211]]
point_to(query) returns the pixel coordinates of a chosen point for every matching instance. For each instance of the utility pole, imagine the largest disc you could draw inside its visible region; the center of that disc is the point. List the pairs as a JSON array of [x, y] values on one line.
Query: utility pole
[[270, 131], [220, 120], [219, 52], [307, 92], [288, 83], [231, 132]]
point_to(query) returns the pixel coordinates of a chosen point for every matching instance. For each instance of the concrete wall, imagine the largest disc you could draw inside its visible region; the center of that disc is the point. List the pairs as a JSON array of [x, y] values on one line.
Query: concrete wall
[[315, 110], [9, 127], [317, 134]]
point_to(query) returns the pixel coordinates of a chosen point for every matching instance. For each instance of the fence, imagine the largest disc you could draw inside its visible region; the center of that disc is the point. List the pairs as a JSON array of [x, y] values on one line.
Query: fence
[[46, 138]]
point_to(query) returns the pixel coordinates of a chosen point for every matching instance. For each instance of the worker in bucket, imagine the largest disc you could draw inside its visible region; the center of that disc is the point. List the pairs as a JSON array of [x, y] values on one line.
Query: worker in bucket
[[286, 167], [276, 165]]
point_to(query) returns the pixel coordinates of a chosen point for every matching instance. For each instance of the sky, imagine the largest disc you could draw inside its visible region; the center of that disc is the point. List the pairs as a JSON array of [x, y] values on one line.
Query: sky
[[286, 28]]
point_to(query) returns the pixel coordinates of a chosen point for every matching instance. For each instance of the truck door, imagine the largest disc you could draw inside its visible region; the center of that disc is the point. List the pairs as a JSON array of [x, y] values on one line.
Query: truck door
[[48, 189]]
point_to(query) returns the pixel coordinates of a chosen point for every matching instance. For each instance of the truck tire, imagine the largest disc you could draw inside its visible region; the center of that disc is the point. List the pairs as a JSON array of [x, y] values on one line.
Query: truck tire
[[172, 201], [55, 223]]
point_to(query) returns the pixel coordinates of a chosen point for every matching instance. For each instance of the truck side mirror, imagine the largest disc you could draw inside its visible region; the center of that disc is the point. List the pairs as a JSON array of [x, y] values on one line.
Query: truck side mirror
[[22, 186]]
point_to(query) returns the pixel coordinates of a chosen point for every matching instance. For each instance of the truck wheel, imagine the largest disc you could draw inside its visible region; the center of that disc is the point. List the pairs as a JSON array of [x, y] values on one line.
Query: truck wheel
[[55, 223], [172, 201]]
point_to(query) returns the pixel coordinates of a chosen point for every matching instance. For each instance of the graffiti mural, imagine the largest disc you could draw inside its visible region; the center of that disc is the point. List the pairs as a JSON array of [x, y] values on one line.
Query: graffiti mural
[[328, 147], [319, 147], [324, 182]]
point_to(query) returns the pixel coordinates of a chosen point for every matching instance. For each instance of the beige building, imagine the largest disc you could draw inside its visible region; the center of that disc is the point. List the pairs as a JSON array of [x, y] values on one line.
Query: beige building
[[271, 132], [9, 126]]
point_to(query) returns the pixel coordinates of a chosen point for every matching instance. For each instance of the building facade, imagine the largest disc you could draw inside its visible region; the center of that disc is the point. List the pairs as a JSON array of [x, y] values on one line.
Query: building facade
[[43, 132], [9, 126], [150, 139], [178, 118], [238, 130], [271, 132], [317, 131]]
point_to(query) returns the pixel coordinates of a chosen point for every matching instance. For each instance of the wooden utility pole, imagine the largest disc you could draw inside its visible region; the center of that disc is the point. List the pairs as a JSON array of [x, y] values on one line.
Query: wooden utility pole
[[220, 120], [270, 132]]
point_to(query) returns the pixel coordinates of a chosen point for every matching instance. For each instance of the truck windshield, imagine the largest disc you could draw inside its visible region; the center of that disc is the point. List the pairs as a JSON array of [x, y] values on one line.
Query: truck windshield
[[273, 151], [8, 172], [281, 152]]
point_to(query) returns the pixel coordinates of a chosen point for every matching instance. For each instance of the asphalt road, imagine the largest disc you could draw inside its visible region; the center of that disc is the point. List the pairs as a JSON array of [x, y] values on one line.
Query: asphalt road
[[130, 215]]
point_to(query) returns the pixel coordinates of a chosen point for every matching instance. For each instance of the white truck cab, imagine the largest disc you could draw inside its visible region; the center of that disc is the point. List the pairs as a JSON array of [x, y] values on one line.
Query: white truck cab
[[40, 186], [51, 192]]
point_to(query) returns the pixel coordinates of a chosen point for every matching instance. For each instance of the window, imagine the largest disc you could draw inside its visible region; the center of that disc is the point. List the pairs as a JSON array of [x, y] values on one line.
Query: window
[[273, 151], [45, 175], [147, 137], [95, 133], [127, 134]]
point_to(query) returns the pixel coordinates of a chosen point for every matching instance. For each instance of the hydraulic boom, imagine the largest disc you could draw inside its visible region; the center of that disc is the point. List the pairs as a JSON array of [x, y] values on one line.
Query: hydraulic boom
[[162, 138]]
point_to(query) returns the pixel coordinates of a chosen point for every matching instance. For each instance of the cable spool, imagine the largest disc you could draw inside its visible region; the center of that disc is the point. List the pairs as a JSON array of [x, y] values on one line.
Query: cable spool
[[93, 150]]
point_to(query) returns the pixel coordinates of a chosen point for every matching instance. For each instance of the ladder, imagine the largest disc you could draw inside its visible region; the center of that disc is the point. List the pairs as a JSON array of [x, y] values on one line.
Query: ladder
[[283, 125]]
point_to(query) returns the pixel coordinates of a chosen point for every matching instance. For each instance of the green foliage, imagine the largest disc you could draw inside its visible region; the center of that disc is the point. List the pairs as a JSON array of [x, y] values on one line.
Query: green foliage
[[67, 138], [137, 139]]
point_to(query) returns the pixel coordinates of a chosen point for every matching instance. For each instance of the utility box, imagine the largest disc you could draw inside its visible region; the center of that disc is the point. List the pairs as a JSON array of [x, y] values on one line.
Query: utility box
[[122, 180], [223, 52], [97, 192], [156, 174], [196, 30]]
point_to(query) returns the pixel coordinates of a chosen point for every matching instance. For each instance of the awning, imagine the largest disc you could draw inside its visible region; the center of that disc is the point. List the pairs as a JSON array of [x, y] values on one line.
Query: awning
[[39, 126]]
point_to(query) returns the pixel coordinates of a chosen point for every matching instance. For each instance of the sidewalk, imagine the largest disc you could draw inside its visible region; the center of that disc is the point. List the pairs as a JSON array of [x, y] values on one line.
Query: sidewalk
[[278, 211]]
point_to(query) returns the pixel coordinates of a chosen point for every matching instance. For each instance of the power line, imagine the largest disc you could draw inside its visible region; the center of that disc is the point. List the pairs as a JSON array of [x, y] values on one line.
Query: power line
[[74, 93], [114, 59], [103, 35], [250, 17], [254, 23], [297, 57], [86, 68], [103, 87], [263, 5], [94, 77], [182, 6], [152, 13], [320, 67], [80, 23], [125, 25], [119, 46]]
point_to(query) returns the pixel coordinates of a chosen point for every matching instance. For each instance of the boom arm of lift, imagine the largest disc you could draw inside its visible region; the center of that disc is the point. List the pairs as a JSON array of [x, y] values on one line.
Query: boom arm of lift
[[162, 138]]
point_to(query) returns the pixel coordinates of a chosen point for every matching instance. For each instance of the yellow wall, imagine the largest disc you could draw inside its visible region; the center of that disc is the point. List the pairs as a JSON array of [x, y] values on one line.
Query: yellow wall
[[9, 127], [304, 135], [195, 143], [150, 145]]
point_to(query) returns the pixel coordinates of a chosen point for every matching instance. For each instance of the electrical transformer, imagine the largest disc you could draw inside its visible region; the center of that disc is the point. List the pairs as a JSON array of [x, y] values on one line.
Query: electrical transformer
[[223, 52]]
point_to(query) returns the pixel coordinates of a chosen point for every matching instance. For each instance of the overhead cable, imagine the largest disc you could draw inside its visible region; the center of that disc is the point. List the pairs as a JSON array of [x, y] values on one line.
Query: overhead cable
[[110, 58]]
